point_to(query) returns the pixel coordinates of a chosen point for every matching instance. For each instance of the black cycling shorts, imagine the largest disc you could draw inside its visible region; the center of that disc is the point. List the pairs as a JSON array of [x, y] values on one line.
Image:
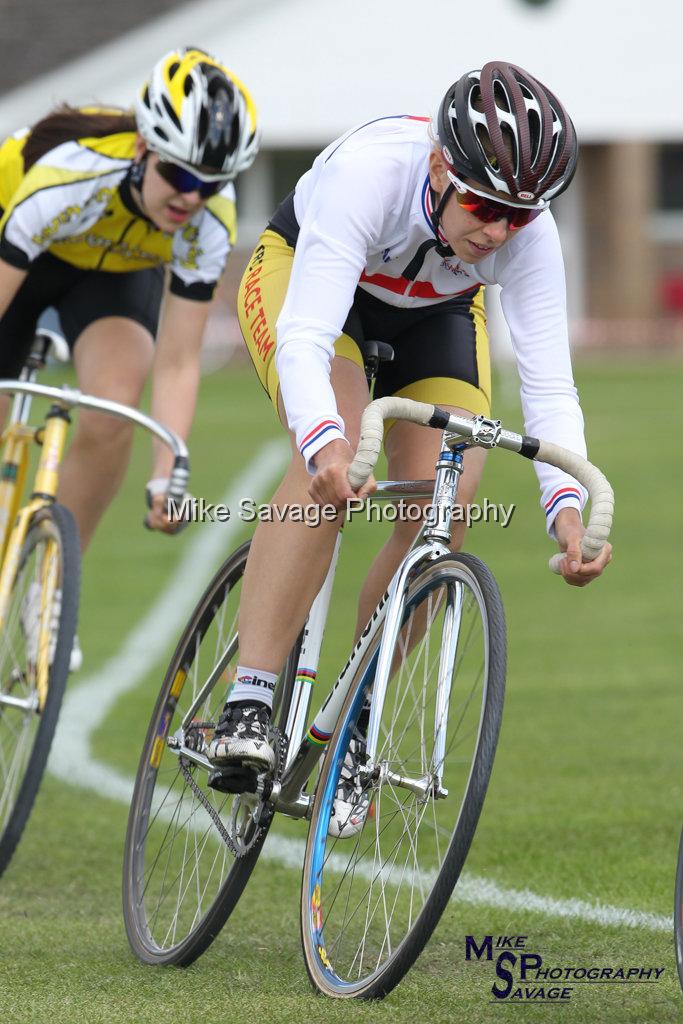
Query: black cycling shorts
[[441, 351], [428, 342], [80, 297]]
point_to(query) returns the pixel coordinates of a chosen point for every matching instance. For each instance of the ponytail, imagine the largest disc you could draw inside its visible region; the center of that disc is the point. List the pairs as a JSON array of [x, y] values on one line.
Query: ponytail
[[66, 123]]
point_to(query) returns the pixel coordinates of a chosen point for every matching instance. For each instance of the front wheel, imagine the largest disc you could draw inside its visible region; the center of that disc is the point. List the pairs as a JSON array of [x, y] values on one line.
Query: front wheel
[[35, 647], [388, 838]]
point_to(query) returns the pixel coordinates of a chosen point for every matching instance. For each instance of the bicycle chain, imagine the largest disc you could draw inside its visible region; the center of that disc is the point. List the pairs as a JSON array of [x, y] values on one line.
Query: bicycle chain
[[267, 810], [210, 810]]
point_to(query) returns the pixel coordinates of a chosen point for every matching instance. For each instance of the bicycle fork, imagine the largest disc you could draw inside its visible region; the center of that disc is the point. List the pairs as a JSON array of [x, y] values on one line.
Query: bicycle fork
[[304, 755], [437, 534]]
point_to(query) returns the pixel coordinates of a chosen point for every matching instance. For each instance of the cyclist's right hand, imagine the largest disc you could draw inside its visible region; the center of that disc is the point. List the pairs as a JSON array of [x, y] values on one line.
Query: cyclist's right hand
[[330, 485], [158, 517]]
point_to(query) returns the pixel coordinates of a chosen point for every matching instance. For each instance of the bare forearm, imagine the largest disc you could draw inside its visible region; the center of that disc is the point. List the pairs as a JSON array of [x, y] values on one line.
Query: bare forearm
[[175, 375], [174, 399]]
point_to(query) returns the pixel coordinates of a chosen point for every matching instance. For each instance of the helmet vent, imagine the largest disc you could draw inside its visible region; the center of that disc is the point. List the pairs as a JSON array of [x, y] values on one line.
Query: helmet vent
[[160, 132], [145, 96], [173, 68], [553, 154], [188, 85], [203, 124], [456, 139], [234, 135], [485, 142], [535, 133], [501, 97], [170, 111], [509, 141]]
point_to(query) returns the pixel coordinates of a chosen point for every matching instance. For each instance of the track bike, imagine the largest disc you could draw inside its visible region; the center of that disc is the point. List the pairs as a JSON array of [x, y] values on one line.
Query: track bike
[[40, 577], [425, 681]]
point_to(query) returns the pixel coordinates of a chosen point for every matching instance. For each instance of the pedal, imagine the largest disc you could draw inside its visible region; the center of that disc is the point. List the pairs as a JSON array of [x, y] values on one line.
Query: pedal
[[234, 780], [199, 735]]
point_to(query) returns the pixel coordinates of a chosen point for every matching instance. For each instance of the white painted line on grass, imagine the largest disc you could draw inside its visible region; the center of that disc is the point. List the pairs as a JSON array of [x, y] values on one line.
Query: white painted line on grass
[[87, 705], [480, 891]]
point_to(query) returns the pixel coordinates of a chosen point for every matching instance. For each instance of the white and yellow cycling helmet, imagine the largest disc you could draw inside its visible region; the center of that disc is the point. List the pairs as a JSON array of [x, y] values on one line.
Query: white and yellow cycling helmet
[[196, 113]]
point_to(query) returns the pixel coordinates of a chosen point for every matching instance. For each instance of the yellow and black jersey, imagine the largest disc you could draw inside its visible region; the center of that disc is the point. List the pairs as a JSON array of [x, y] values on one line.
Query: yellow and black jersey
[[75, 203]]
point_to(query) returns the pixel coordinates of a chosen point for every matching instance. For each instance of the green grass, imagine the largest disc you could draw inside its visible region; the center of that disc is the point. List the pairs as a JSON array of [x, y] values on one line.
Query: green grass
[[586, 798]]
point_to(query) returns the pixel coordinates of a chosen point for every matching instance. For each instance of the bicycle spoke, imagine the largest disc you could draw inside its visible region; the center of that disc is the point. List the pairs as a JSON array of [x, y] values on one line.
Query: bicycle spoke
[[376, 886], [184, 837], [36, 632]]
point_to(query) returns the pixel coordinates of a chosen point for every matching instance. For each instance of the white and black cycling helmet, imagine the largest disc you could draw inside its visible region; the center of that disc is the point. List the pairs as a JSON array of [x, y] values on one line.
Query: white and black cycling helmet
[[503, 129], [196, 113]]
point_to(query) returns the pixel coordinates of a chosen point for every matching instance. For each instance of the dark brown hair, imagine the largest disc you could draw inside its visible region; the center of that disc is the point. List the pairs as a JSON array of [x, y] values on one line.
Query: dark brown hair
[[65, 123]]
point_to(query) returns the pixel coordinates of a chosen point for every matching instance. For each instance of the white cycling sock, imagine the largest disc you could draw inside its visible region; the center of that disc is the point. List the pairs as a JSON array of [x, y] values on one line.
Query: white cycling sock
[[253, 684]]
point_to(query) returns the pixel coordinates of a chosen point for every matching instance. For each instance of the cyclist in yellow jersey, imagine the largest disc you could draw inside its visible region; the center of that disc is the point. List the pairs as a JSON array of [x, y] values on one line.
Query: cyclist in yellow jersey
[[93, 204]]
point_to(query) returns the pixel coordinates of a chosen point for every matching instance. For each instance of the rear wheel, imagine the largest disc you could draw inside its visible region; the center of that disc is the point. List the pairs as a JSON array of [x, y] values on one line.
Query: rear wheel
[[35, 647], [388, 838], [190, 849]]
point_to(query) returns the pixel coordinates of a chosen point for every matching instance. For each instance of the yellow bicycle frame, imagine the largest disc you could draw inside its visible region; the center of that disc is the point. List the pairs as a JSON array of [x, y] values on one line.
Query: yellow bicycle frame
[[15, 518], [18, 437]]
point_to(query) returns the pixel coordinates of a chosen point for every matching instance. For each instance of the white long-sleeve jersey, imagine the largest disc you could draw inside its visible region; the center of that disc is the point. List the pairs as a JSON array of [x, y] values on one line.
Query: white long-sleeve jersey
[[363, 211]]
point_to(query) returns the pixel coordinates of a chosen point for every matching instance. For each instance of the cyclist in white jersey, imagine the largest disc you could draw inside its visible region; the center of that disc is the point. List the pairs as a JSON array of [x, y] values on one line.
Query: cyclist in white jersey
[[390, 236]]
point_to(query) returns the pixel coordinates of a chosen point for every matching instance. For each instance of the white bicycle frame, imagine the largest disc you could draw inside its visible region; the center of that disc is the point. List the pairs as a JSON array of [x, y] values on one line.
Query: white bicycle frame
[[304, 751], [306, 746]]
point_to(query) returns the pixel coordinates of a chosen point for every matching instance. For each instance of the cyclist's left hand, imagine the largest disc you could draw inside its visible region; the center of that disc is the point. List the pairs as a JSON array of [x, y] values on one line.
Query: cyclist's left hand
[[569, 531]]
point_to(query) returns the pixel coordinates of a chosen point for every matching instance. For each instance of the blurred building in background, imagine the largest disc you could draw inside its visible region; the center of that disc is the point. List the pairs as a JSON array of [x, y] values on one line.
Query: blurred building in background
[[316, 68]]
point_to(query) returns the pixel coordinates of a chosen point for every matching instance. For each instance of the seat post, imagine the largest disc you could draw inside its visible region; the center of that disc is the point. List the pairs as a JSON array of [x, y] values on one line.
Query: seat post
[[39, 350], [21, 406], [374, 354]]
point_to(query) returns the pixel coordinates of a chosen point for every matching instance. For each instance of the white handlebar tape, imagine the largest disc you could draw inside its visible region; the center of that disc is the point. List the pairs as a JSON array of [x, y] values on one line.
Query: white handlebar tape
[[599, 491], [372, 432]]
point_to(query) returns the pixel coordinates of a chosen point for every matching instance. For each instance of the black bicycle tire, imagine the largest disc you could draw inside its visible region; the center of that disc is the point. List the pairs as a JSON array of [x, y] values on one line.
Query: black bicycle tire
[[413, 944], [678, 913], [201, 937], [66, 528]]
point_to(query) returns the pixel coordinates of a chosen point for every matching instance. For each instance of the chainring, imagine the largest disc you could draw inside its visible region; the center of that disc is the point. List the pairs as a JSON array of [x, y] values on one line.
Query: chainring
[[250, 814]]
